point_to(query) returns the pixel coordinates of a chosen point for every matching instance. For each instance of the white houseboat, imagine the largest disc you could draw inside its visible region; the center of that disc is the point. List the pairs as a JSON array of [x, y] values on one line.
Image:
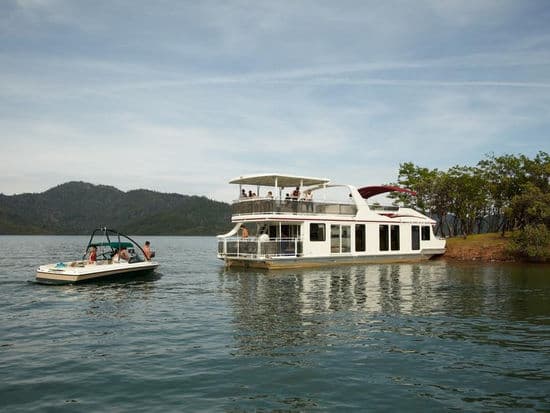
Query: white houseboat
[[284, 221]]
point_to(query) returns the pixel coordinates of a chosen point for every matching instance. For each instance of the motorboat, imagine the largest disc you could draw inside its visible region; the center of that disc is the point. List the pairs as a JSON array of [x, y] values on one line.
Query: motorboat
[[107, 260], [297, 221]]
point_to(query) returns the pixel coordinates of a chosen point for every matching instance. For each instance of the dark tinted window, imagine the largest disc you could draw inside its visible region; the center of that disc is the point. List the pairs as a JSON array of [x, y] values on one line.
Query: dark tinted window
[[317, 232], [360, 244], [384, 235], [395, 237], [415, 237], [425, 233]]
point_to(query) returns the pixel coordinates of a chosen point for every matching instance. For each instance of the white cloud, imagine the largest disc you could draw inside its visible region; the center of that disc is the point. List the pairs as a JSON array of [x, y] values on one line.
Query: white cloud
[[188, 95]]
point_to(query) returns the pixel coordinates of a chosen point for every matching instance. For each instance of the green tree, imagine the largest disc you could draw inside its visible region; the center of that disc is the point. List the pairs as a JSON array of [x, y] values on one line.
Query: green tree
[[532, 242], [530, 207]]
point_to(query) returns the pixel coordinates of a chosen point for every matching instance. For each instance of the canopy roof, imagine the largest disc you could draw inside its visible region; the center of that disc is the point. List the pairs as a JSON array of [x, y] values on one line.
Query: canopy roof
[[276, 180], [114, 244], [370, 191]]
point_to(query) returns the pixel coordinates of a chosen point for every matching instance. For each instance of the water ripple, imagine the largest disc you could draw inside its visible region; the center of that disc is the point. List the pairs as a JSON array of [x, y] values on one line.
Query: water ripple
[[431, 336]]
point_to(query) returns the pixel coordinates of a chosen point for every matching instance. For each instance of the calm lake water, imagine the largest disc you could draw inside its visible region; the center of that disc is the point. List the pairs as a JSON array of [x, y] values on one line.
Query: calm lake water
[[194, 337]]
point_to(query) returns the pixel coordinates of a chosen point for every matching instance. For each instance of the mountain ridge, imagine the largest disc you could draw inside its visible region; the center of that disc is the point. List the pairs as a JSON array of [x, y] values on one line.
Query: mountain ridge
[[77, 207]]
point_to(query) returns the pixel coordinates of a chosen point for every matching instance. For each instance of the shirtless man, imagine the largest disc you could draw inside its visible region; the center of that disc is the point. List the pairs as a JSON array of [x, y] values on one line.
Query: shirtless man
[[147, 250], [123, 254]]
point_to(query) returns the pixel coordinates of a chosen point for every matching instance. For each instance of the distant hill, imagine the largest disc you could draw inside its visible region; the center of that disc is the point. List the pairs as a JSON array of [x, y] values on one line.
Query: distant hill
[[79, 207]]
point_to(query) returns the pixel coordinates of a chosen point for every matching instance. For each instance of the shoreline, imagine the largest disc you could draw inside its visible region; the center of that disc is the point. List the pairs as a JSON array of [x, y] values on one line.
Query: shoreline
[[490, 247]]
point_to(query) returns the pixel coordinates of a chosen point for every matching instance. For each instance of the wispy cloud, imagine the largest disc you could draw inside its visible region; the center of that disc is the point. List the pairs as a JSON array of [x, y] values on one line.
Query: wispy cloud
[[191, 94]]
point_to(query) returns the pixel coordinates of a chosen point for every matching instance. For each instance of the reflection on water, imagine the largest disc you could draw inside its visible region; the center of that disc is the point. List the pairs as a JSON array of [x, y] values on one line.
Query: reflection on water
[[432, 326], [194, 336], [417, 289]]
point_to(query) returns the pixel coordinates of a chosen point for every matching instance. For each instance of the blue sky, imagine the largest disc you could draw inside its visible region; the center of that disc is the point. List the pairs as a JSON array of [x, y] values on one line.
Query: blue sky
[[182, 96]]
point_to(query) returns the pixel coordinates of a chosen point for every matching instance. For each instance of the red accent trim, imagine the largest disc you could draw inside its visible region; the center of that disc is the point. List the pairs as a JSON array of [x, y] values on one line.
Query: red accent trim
[[370, 191]]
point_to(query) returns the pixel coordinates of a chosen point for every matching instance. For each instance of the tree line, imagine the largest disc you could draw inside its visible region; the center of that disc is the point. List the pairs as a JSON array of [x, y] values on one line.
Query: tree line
[[498, 194]]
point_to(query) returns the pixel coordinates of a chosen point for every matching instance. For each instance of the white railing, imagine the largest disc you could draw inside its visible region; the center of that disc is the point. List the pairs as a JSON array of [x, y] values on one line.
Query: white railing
[[247, 206], [257, 248]]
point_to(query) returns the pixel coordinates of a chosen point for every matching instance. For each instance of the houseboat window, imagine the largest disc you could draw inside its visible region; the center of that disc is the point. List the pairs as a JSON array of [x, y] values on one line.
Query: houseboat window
[[346, 238], [335, 238], [415, 237], [290, 231], [384, 238], [317, 232], [425, 233], [272, 231], [340, 238], [360, 244], [395, 237]]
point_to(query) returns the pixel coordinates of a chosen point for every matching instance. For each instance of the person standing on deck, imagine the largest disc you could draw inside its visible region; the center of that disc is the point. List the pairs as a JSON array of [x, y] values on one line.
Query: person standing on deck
[[308, 197]]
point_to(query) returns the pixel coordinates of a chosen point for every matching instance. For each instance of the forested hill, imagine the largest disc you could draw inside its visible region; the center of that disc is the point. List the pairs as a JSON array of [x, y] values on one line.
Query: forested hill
[[79, 207]]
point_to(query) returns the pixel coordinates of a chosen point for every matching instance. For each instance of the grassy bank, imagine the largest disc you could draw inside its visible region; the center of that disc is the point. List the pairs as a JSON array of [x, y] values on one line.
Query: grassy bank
[[479, 247]]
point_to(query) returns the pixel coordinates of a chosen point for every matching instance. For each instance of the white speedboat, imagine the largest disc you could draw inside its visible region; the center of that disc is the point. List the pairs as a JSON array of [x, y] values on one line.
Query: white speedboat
[[292, 222], [107, 262]]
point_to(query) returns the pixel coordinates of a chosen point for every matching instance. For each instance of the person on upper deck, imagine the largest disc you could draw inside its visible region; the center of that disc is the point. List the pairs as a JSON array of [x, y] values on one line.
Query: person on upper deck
[[270, 195], [308, 198], [296, 194], [243, 193], [250, 194]]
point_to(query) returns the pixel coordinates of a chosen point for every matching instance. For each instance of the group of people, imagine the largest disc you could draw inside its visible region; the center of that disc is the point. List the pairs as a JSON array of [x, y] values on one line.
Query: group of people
[[308, 195], [120, 255], [253, 194], [250, 194]]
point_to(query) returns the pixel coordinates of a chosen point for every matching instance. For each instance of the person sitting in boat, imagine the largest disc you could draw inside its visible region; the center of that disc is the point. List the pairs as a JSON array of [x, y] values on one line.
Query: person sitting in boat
[[244, 233], [147, 250], [123, 254], [92, 258]]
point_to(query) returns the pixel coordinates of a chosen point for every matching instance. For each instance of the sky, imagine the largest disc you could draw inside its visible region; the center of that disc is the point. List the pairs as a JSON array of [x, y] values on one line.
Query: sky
[[182, 96]]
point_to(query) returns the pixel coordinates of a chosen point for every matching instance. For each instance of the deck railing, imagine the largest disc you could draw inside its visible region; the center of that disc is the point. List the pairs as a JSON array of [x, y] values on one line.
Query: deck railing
[[277, 206], [235, 247]]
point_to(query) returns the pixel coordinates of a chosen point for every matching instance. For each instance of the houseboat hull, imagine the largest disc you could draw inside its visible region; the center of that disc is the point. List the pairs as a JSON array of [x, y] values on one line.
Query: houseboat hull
[[316, 262]]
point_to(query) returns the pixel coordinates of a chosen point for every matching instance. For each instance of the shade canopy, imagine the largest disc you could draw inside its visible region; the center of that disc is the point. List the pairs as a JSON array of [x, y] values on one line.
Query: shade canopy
[[113, 244], [280, 181], [370, 191]]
